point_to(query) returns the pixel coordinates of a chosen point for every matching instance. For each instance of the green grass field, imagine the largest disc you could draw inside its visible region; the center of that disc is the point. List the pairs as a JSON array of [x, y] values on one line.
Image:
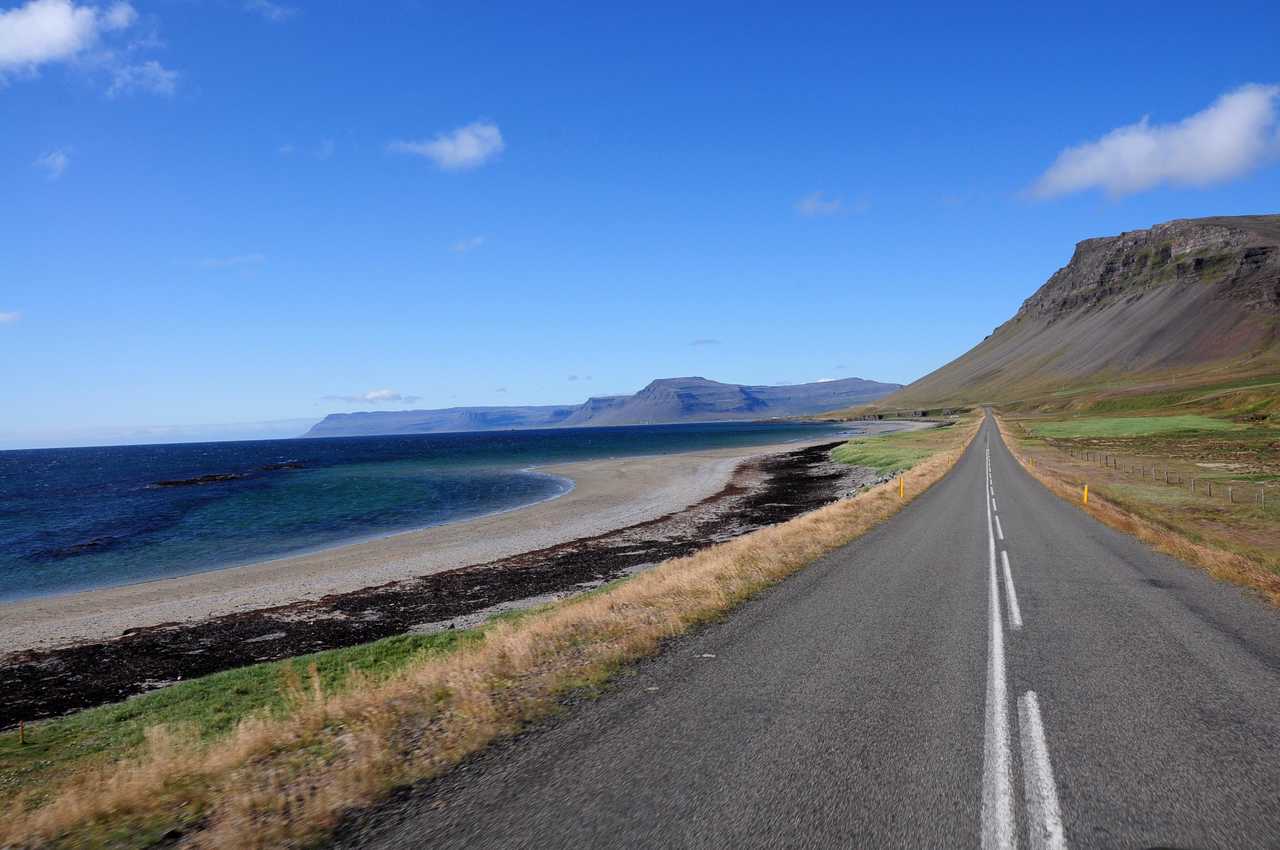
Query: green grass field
[[1128, 426], [208, 707], [889, 453]]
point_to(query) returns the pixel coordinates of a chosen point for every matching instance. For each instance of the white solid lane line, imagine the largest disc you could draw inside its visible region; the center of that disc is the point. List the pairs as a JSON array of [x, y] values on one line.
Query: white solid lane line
[[1045, 825], [998, 825], [1015, 615], [999, 530]]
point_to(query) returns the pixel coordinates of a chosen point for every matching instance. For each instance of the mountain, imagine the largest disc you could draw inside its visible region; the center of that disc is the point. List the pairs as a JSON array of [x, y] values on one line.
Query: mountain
[[1187, 302], [666, 400]]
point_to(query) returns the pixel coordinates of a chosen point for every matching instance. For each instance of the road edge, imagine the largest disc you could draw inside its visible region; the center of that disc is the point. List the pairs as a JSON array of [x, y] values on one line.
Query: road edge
[[1219, 563]]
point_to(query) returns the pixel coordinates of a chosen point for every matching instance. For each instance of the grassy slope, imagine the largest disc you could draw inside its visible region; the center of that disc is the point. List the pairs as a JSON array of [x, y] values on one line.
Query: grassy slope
[[273, 760]]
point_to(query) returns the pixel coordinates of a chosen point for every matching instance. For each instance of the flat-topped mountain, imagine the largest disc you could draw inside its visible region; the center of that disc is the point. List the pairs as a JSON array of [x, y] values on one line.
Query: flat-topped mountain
[[664, 401], [1191, 300]]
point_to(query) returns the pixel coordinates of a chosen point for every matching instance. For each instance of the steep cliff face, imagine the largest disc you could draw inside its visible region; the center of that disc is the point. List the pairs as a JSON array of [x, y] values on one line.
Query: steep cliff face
[[666, 400], [1188, 299], [1239, 257]]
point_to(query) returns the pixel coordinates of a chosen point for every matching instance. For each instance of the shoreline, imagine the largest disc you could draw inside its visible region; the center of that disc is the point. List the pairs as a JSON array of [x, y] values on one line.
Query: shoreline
[[762, 490], [607, 494]]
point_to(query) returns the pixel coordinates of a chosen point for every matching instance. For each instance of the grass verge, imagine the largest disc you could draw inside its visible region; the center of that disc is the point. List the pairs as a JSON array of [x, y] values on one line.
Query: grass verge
[[1123, 512], [206, 709], [285, 777]]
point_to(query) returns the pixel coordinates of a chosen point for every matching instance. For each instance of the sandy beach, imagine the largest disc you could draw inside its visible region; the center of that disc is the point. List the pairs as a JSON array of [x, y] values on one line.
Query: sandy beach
[[607, 495]]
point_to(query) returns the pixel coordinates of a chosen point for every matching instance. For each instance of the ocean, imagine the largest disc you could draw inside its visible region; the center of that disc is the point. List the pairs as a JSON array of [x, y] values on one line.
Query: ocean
[[75, 519]]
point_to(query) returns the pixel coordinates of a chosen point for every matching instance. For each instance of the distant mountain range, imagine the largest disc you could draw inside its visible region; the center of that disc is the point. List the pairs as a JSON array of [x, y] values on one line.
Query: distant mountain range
[[667, 400], [1187, 302]]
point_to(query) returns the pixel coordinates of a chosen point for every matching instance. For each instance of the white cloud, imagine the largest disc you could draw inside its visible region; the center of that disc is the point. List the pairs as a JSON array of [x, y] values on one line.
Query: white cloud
[[274, 12], [41, 32], [53, 163], [234, 261], [465, 147], [467, 245], [55, 30], [9, 318], [150, 77], [1234, 135], [376, 397]]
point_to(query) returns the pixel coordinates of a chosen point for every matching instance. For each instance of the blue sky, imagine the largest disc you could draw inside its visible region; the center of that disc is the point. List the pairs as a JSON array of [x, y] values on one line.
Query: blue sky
[[223, 212]]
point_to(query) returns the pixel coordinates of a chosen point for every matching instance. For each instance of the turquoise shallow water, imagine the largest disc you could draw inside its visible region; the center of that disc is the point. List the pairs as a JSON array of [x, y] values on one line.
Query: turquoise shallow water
[[72, 519]]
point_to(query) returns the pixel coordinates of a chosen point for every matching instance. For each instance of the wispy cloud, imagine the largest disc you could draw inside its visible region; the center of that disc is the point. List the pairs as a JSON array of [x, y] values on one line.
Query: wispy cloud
[[323, 150], [274, 12], [463, 148], [234, 261], [53, 163], [817, 203], [1231, 137], [500, 390], [376, 397], [9, 318], [148, 77], [466, 245], [579, 377], [701, 342]]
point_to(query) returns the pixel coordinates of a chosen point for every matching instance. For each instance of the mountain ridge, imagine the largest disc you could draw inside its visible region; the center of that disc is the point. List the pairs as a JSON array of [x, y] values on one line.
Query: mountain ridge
[[1183, 301], [662, 401]]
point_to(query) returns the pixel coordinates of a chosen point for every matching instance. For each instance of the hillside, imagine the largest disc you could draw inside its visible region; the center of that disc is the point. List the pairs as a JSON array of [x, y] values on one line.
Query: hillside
[[1189, 302], [667, 400]]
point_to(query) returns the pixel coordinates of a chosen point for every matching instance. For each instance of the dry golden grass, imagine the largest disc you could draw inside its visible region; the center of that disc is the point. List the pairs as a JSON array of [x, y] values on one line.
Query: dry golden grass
[[1066, 483], [283, 782]]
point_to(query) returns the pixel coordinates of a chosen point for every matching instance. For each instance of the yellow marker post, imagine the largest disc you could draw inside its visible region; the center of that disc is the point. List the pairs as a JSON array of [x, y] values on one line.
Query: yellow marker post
[[1086, 494], [901, 487]]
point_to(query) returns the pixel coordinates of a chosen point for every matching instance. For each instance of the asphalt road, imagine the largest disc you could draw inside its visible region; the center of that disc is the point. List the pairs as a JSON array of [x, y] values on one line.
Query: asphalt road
[[906, 692]]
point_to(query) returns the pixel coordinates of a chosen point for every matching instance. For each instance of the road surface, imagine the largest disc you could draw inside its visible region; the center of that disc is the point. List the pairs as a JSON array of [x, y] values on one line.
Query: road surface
[[990, 668]]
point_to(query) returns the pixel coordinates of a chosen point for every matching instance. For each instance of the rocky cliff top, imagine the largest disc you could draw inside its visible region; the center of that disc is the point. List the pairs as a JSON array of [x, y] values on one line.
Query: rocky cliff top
[[1238, 255]]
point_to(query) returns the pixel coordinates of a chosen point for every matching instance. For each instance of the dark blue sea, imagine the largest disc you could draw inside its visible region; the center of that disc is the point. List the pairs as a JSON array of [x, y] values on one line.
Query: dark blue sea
[[72, 519]]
